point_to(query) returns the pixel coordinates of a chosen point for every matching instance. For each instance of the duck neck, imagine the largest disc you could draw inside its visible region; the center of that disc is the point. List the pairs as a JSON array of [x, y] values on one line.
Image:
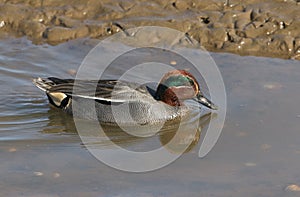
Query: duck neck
[[165, 94]]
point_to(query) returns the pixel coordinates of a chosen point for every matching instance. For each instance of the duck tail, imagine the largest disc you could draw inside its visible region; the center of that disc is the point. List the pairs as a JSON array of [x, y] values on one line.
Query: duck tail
[[43, 84]]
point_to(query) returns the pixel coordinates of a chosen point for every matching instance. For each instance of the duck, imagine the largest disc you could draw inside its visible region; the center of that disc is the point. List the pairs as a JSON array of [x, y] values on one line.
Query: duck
[[119, 102]]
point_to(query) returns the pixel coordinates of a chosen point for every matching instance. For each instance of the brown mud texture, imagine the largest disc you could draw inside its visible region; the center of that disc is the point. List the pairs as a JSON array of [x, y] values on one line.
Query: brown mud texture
[[254, 27]]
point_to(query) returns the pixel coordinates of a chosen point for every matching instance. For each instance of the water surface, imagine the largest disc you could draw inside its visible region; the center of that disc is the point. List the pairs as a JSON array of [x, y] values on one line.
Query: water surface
[[258, 153]]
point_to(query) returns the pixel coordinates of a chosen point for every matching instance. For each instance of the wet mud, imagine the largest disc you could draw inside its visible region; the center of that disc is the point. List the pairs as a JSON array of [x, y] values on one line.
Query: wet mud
[[262, 28]]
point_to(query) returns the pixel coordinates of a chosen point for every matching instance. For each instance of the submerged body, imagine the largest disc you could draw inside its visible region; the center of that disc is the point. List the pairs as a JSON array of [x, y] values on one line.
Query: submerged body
[[124, 103]]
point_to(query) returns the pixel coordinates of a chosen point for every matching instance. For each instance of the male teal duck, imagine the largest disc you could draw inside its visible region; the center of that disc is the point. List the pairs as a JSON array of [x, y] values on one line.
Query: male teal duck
[[124, 102]]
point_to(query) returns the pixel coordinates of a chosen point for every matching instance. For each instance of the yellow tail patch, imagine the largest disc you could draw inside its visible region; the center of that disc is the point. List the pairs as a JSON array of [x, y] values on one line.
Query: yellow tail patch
[[57, 97]]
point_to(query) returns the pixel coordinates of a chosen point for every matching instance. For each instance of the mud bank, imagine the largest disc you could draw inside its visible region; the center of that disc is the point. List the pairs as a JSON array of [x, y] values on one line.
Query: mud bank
[[256, 27]]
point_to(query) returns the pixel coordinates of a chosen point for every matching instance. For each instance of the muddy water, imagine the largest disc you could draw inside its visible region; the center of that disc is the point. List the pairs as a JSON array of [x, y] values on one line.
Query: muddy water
[[258, 153]]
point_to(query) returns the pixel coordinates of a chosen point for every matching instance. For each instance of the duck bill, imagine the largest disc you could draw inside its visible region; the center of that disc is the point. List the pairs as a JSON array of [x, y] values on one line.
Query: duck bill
[[200, 98]]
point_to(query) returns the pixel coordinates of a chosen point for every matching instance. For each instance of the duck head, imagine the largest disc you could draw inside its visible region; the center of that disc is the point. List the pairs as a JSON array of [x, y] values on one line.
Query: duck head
[[179, 85]]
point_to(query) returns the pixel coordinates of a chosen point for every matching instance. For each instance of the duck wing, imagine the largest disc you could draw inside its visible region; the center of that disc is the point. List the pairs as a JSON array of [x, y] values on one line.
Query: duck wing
[[99, 90]]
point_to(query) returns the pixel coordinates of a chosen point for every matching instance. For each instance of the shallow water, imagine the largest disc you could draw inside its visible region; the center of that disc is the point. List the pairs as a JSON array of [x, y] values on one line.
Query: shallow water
[[258, 153]]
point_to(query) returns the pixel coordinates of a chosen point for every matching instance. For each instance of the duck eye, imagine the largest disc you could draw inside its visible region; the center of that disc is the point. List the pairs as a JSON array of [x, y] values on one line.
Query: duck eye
[[191, 81]]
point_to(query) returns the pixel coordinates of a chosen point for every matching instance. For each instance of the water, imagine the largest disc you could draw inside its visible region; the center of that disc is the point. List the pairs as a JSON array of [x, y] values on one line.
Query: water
[[258, 153]]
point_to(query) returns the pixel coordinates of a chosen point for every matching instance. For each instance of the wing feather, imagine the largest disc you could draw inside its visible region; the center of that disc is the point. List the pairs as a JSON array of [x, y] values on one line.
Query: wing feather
[[102, 90]]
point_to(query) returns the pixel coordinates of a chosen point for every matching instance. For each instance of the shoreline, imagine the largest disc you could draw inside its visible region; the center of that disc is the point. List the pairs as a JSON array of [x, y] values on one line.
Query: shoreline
[[269, 28]]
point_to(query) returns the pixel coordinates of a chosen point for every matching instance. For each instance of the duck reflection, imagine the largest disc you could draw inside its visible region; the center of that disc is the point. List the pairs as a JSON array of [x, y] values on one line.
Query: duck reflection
[[179, 137], [186, 137], [59, 123], [176, 137]]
